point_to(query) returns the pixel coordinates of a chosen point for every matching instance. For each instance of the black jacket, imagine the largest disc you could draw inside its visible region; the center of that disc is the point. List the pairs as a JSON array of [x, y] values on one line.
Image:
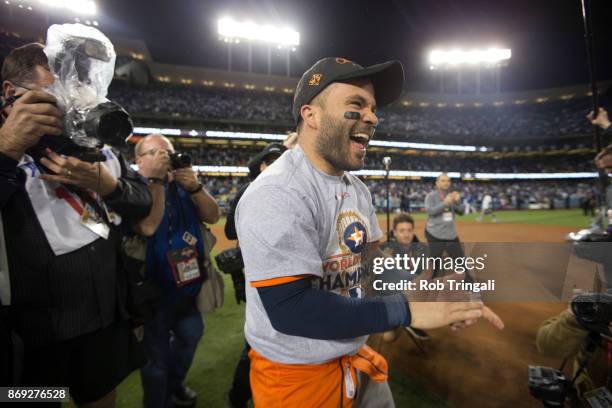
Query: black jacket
[[230, 222], [54, 298]]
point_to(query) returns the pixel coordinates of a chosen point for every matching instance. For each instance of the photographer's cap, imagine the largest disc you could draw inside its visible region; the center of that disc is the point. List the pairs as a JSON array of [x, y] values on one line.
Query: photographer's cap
[[387, 78], [273, 149]]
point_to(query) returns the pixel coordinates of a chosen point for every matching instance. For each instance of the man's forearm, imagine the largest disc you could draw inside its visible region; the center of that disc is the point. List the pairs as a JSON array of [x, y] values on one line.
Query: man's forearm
[[148, 225], [298, 309], [208, 209], [131, 199]]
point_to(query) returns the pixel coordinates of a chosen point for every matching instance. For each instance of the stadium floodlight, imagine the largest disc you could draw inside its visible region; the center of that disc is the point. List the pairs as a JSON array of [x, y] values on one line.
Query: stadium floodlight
[[281, 36], [458, 57], [82, 7]]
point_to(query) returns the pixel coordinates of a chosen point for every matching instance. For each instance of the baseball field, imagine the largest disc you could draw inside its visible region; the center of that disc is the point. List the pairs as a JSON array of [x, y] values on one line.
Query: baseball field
[[478, 365]]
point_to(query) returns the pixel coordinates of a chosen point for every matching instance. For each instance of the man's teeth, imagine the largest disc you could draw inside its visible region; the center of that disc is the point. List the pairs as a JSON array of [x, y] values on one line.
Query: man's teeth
[[361, 138]]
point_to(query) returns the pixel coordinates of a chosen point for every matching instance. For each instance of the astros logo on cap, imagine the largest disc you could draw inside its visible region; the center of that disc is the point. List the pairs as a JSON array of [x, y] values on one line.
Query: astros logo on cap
[[342, 61], [315, 79]]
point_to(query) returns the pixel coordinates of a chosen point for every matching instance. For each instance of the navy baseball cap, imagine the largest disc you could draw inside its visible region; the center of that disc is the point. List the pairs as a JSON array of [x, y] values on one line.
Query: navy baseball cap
[[271, 150], [387, 78]]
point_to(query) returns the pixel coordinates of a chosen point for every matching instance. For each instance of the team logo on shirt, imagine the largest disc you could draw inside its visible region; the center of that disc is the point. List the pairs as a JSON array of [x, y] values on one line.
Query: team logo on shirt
[[355, 237], [352, 232]]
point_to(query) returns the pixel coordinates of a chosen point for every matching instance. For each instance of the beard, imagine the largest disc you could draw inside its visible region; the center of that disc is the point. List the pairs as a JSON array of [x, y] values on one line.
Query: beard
[[334, 144]]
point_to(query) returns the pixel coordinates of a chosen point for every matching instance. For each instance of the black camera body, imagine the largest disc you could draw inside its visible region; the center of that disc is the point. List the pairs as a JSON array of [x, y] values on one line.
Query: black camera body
[[180, 160], [548, 385], [594, 312], [230, 262]]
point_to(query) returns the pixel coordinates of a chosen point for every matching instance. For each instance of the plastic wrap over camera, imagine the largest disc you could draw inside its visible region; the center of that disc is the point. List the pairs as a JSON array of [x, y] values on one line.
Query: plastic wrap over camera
[[82, 60]]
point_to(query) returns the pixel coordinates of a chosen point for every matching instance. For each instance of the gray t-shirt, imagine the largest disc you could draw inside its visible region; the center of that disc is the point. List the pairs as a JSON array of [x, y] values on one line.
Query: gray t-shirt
[[296, 220]]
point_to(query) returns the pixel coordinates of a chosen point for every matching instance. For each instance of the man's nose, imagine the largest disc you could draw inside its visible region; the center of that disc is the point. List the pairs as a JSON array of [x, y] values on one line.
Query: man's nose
[[370, 117]]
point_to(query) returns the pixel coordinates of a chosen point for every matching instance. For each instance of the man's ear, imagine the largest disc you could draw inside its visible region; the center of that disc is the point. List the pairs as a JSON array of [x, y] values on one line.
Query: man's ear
[[8, 89], [310, 116]]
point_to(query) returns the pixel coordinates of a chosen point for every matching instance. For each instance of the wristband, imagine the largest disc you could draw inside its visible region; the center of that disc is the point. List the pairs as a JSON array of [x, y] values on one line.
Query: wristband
[[195, 190]]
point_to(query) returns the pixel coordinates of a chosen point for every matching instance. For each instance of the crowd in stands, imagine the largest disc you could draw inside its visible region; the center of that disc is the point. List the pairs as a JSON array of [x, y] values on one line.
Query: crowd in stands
[[550, 119], [505, 194], [530, 120], [409, 195], [474, 163], [204, 103], [469, 163]]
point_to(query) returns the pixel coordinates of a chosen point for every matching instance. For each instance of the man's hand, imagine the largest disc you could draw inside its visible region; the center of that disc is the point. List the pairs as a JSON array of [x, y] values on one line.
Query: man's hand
[[603, 160], [160, 165], [456, 308], [601, 119], [449, 199], [32, 116], [431, 315], [187, 178], [72, 171]]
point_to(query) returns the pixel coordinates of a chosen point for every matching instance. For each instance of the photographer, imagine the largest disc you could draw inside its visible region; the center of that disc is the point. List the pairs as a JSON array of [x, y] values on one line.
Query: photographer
[[66, 291], [563, 337], [405, 241], [240, 393], [174, 260], [257, 164]]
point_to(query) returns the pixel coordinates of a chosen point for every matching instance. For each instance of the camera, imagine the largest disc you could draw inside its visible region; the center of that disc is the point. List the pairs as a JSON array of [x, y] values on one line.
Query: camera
[[107, 121], [548, 385], [230, 262], [82, 60], [180, 160], [594, 312]]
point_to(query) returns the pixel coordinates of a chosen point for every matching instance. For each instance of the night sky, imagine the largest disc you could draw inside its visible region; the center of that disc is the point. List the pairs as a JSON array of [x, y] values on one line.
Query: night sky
[[546, 37]]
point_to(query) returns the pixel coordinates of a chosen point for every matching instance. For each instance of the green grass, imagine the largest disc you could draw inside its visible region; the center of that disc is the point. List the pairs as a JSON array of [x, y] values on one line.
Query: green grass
[[408, 392], [565, 218]]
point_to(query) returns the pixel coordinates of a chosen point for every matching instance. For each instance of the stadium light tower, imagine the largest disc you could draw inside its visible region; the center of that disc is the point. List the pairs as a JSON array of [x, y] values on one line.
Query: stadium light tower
[[81, 10], [232, 32], [458, 59], [80, 7]]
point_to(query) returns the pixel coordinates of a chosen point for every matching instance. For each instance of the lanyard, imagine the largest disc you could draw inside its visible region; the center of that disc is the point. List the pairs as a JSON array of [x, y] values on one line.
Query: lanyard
[[172, 192], [64, 193]]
